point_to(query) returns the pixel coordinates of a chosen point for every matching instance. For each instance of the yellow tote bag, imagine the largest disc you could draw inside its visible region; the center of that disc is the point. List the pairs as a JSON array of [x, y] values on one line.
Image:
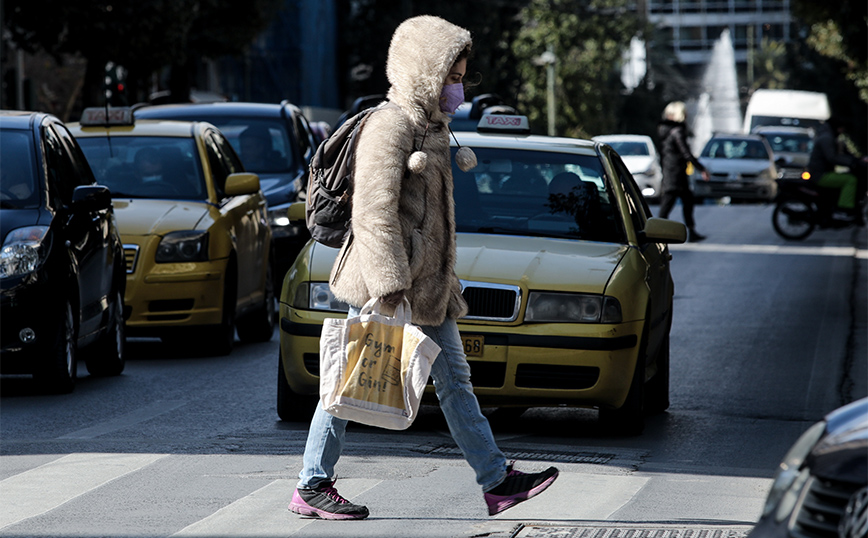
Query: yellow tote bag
[[374, 368]]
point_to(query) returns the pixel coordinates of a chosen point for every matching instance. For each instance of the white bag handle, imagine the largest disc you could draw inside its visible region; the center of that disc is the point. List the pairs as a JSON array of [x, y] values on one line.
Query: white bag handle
[[403, 312]]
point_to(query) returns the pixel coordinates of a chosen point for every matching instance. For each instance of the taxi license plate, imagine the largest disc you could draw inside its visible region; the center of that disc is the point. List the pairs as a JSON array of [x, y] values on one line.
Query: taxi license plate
[[473, 345]]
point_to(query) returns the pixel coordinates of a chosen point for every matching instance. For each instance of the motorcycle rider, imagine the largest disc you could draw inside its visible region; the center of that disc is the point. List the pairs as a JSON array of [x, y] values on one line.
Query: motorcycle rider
[[825, 157]]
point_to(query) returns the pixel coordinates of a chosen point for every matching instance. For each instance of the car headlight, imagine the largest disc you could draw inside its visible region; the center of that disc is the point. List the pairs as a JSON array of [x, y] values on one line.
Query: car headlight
[[572, 308], [184, 246], [789, 477], [23, 251], [280, 224], [317, 296]]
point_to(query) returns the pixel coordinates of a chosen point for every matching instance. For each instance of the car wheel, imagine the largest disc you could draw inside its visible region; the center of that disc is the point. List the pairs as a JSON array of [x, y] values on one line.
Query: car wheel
[[657, 389], [219, 339], [258, 326], [793, 219], [292, 406], [107, 355], [58, 371]]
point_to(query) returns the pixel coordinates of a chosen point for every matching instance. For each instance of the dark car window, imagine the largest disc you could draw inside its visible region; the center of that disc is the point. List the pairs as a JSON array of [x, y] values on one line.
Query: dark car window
[[62, 175], [264, 145], [223, 160], [629, 148], [636, 203], [522, 192], [79, 162], [19, 177], [146, 166]]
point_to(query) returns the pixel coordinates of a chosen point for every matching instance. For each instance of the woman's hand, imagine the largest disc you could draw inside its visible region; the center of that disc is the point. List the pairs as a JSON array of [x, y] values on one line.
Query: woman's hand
[[393, 299]]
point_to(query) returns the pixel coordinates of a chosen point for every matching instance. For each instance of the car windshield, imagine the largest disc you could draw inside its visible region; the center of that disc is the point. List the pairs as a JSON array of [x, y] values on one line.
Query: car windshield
[[146, 166], [536, 193], [735, 148], [18, 176], [263, 145], [790, 143], [626, 149]]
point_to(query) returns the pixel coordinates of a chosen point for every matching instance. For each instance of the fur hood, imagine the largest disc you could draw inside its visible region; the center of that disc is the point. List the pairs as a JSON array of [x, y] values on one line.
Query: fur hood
[[422, 52], [403, 214]]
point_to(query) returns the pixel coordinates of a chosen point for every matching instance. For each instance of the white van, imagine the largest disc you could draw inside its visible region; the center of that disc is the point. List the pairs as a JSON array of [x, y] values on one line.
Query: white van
[[791, 108]]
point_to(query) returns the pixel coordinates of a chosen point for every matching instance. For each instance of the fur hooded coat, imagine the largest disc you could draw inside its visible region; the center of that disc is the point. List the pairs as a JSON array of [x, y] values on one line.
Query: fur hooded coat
[[404, 226]]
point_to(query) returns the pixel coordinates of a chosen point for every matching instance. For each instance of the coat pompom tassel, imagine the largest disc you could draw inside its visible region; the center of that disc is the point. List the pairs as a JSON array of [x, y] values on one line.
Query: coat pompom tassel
[[417, 162], [465, 159]]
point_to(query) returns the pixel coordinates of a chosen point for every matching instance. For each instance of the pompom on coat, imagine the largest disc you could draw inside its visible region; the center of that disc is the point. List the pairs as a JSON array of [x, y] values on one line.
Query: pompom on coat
[[404, 227]]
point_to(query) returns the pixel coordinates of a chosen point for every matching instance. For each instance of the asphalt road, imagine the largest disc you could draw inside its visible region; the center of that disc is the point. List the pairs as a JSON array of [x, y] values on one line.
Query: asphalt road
[[768, 336]]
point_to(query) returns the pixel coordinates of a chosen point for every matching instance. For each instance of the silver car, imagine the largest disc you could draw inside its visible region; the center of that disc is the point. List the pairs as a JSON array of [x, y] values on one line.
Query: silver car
[[640, 156], [741, 167]]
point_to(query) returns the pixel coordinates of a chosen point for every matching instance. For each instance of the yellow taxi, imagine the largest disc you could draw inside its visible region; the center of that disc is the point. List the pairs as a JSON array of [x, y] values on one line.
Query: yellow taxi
[[194, 226], [565, 271]]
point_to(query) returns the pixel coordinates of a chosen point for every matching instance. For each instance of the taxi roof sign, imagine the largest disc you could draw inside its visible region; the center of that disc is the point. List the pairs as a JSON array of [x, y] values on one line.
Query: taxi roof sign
[[503, 124], [101, 116]]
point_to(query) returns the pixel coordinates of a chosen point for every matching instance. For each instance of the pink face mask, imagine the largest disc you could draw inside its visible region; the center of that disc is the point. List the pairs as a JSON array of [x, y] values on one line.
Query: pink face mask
[[451, 96]]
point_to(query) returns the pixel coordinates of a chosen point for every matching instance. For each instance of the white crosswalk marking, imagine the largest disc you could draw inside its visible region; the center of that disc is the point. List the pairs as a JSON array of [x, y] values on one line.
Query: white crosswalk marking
[[580, 496], [264, 512], [48, 486]]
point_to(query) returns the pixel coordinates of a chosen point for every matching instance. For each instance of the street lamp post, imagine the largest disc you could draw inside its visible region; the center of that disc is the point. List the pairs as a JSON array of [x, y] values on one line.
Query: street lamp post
[[548, 59]]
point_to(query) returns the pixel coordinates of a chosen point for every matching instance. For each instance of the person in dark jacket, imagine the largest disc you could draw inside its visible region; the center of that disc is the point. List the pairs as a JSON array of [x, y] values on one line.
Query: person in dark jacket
[[674, 156], [825, 157]]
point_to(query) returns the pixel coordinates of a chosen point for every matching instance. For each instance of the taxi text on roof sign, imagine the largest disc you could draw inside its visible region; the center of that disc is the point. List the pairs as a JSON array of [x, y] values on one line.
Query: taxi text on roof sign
[[503, 123], [111, 116]]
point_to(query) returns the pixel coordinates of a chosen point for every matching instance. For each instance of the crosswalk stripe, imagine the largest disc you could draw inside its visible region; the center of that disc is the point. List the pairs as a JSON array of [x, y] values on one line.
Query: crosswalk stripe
[[264, 512], [48, 486]]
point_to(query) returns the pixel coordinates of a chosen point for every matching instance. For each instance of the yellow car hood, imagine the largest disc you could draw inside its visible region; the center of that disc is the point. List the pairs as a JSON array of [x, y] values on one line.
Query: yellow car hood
[[157, 217], [541, 263]]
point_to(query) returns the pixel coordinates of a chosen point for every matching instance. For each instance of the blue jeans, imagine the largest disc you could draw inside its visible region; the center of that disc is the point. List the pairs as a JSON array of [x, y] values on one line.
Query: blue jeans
[[469, 428]]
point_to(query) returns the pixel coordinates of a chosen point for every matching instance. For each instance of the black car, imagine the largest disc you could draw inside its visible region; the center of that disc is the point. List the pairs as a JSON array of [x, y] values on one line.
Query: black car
[[821, 487], [62, 269], [274, 141]]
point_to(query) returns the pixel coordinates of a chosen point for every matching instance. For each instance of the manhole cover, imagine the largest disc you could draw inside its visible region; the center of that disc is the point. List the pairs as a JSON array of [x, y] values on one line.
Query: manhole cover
[[563, 457], [548, 531]]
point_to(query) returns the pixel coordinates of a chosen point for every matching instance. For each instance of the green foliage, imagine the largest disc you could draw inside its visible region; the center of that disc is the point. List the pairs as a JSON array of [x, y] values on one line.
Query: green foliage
[[588, 38], [769, 69], [142, 35]]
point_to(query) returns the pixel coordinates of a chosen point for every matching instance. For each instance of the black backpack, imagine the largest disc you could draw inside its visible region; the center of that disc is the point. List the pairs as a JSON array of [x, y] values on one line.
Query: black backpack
[[330, 184]]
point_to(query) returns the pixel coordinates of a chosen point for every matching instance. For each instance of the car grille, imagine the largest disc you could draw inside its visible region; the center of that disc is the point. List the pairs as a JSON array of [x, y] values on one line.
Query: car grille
[[131, 256], [491, 302], [821, 508]]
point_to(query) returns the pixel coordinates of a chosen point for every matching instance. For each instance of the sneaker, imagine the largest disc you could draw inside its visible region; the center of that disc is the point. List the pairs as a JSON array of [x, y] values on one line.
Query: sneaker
[[325, 502], [518, 487]]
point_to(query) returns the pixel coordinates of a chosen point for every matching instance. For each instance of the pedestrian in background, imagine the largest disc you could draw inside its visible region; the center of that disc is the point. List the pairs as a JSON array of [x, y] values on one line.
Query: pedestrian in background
[[674, 156], [403, 246]]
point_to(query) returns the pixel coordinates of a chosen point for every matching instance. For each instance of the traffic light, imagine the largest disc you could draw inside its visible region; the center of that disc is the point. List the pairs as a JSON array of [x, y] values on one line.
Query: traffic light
[[115, 84]]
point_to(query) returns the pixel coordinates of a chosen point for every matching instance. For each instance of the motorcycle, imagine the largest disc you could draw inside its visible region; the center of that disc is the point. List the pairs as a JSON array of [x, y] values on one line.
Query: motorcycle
[[802, 207]]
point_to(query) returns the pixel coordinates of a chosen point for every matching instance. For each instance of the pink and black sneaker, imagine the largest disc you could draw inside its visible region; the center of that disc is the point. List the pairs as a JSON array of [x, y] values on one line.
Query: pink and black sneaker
[[518, 487], [325, 502]]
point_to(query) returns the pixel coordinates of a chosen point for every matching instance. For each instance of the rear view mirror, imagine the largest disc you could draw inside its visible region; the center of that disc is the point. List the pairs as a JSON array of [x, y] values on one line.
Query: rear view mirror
[[91, 198], [296, 212], [241, 183], [659, 230]]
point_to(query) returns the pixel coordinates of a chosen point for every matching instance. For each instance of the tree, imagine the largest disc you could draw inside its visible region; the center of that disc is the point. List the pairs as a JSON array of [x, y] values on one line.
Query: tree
[[588, 38], [143, 36]]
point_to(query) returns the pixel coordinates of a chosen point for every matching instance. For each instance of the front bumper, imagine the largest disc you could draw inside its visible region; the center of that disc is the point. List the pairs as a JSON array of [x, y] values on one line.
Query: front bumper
[[736, 189], [30, 304], [532, 365], [173, 295]]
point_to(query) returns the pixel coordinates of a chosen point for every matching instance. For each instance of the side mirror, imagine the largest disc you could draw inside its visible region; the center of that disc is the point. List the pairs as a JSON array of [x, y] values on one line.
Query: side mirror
[[91, 198], [296, 213], [659, 230], [241, 183]]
